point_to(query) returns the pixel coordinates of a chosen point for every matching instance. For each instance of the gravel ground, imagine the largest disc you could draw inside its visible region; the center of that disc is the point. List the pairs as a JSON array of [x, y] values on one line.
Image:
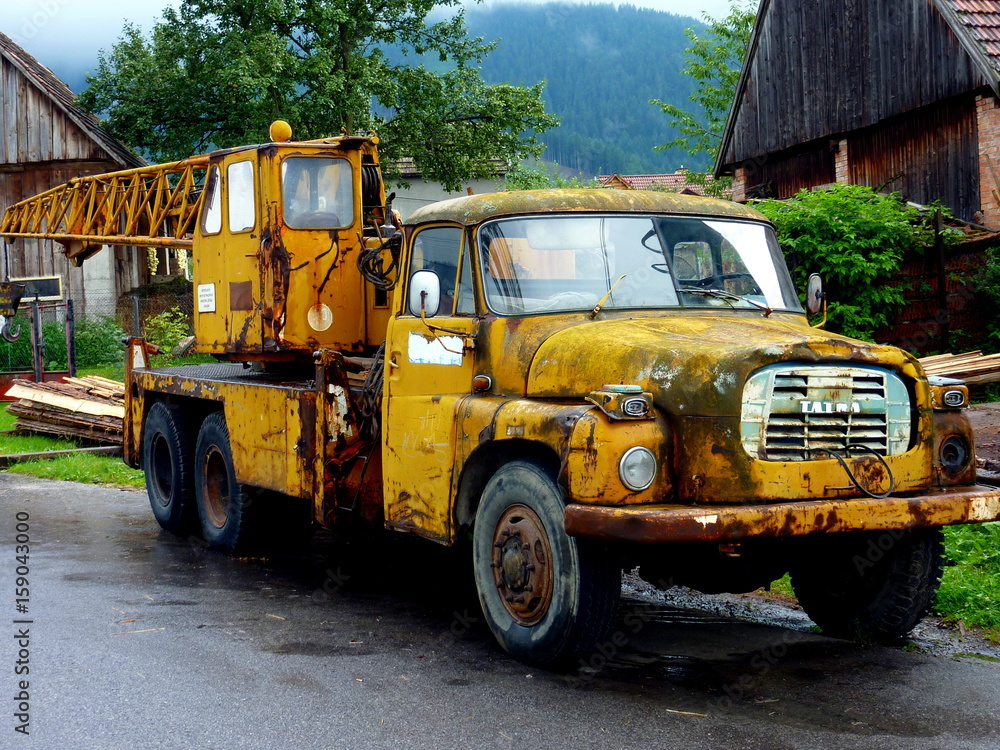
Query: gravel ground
[[985, 420], [931, 636]]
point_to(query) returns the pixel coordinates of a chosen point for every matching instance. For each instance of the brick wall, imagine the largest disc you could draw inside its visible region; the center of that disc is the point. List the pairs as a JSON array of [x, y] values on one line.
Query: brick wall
[[840, 170], [988, 124], [740, 184]]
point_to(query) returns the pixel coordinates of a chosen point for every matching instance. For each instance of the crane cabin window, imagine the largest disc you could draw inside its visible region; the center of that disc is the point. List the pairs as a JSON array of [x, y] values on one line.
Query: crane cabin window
[[211, 216], [317, 192], [240, 196]]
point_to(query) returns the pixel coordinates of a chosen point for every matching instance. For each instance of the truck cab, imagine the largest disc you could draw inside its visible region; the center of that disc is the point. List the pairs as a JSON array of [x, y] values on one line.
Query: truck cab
[[639, 367]]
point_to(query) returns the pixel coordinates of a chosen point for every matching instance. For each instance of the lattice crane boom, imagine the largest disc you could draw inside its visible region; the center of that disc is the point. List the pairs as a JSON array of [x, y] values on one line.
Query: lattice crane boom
[[153, 206]]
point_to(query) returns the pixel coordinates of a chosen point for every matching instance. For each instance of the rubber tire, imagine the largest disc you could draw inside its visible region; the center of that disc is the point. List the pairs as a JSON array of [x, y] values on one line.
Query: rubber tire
[[168, 462], [856, 588], [587, 576], [214, 471]]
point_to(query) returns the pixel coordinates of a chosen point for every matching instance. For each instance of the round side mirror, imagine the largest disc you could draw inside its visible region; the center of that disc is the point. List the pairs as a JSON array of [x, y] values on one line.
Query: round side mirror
[[425, 294], [814, 293]]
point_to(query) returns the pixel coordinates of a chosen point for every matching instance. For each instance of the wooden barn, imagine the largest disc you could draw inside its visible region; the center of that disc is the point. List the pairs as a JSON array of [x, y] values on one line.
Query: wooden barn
[[899, 95], [45, 140]]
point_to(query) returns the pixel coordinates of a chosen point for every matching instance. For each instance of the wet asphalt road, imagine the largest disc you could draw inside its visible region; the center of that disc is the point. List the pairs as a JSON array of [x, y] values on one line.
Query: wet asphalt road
[[142, 640]]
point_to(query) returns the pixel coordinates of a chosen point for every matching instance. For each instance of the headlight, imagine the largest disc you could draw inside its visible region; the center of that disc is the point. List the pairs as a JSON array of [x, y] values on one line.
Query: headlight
[[954, 454], [637, 468]]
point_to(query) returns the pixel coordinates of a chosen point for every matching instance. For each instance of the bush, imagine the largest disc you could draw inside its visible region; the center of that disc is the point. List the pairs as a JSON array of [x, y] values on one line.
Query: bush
[[98, 342], [168, 328], [989, 285], [855, 238]]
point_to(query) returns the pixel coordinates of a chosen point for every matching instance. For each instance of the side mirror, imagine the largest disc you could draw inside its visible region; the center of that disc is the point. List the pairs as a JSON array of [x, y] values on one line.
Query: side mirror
[[425, 294], [814, 294]]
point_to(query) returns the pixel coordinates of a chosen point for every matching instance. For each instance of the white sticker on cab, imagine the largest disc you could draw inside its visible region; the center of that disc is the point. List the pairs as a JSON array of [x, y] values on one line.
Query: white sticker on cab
[[442, 350]]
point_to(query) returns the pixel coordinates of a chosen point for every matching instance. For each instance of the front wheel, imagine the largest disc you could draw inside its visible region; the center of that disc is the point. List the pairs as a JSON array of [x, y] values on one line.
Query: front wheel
[[870, 586], [548, 598]]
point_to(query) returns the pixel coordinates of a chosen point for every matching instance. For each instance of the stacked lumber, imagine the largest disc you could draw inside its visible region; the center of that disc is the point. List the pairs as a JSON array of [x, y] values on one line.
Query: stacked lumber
[[974, 368], [92, 408]]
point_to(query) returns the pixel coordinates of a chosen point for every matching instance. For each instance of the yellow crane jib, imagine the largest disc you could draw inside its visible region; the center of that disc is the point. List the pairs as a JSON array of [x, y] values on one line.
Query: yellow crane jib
[[148, 206]]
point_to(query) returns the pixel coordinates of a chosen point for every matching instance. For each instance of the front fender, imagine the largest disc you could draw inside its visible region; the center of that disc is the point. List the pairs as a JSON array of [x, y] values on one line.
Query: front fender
[[587, 443]]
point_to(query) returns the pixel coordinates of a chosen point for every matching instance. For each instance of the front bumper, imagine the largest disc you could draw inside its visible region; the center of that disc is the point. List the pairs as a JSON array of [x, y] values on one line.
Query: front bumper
[[654, 524]]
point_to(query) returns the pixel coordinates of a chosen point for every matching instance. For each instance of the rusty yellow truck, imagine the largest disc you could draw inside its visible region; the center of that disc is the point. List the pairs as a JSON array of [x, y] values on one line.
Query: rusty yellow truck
[[571, 382]]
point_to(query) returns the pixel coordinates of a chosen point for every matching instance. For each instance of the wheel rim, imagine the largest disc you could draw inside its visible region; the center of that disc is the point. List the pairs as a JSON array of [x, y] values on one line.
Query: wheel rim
[[162, 470], [522, 564], [215, 487]]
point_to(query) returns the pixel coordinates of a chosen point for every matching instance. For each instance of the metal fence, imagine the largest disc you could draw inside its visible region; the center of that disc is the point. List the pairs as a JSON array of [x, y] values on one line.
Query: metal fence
[[98, 324]]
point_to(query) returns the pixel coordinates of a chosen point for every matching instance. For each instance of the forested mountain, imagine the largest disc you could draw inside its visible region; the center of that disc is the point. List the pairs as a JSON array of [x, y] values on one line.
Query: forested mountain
[[603, 65]]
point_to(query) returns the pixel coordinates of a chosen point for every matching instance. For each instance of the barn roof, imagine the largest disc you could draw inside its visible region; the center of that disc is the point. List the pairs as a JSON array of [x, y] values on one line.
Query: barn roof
[[975, 25], [64, 99]]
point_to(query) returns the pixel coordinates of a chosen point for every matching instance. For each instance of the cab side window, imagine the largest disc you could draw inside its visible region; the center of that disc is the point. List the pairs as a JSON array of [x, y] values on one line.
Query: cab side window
[[442, 250]]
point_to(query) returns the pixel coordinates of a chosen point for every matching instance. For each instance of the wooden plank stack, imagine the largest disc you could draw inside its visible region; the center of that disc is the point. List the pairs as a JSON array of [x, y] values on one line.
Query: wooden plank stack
[[975, 368], [92, 408]]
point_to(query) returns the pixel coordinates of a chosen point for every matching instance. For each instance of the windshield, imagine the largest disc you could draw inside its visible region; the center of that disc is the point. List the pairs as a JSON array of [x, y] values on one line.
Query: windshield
[[317, 192], [549, 263]]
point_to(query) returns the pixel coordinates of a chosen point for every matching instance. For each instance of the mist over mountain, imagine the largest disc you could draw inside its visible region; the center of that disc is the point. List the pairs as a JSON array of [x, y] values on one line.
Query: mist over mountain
[[603, 65]]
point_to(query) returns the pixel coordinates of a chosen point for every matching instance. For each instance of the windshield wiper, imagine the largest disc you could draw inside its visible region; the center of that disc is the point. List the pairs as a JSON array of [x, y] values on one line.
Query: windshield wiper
[[723, 294]]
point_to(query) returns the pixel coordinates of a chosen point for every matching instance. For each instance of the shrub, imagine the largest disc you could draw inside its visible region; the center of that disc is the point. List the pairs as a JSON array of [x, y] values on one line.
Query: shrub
[[168, 328], [99, 341], [856, 239], [989, 285]]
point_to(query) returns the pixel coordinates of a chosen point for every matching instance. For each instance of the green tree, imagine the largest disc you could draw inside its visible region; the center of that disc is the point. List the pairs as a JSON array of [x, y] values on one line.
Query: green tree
[[215, 73], [714, 61], [538, 176], [856, 239]]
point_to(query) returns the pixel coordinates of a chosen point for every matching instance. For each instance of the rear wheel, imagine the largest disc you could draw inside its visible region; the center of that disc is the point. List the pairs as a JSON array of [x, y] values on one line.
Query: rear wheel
[[168, 462], [548, 598], [228, 510], [871, 586]]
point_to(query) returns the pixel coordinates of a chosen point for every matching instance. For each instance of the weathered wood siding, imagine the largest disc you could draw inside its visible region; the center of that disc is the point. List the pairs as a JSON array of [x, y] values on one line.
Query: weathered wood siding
[[784, 177], [826, 67], [927, 155], [40, 148]]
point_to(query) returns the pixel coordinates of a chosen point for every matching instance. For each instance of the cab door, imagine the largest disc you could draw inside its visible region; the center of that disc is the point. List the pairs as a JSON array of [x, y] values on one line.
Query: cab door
[[243, 267], [430, 364]]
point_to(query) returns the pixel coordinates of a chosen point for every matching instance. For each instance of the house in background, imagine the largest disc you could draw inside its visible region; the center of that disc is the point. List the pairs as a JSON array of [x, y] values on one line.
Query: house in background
[[675, 182], [900, 96], [422, 192], [46, 140]]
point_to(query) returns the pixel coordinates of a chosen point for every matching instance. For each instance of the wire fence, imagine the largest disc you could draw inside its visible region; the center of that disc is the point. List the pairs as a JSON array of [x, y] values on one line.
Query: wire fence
[[99, 323]]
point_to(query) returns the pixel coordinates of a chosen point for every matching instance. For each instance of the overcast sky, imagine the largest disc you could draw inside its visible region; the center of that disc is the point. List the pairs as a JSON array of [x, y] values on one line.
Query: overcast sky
[[60, 32]]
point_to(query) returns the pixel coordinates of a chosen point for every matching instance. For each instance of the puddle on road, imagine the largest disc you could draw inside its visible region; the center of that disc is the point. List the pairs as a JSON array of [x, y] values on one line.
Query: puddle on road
[[672, 658], [700, 664]]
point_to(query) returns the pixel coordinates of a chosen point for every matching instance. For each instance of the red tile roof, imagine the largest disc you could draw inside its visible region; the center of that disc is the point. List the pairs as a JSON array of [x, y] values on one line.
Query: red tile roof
[[675, 182], [982, 19]]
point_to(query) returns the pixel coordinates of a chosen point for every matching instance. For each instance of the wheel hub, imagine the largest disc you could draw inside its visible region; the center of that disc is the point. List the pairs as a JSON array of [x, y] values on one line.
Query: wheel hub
[[215, 487], [522, 564]]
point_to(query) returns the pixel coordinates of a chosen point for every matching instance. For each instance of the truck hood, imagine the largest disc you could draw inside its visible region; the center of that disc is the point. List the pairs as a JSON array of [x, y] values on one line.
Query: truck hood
[[693, 366]]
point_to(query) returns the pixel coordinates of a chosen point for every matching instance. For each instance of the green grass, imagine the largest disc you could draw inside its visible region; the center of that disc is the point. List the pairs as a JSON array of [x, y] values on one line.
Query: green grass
[[111, 372], [81, 467], [970, 589]]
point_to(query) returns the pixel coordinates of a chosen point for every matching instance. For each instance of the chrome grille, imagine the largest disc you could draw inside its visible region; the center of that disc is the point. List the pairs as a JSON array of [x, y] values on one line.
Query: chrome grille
[[801, 413]]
